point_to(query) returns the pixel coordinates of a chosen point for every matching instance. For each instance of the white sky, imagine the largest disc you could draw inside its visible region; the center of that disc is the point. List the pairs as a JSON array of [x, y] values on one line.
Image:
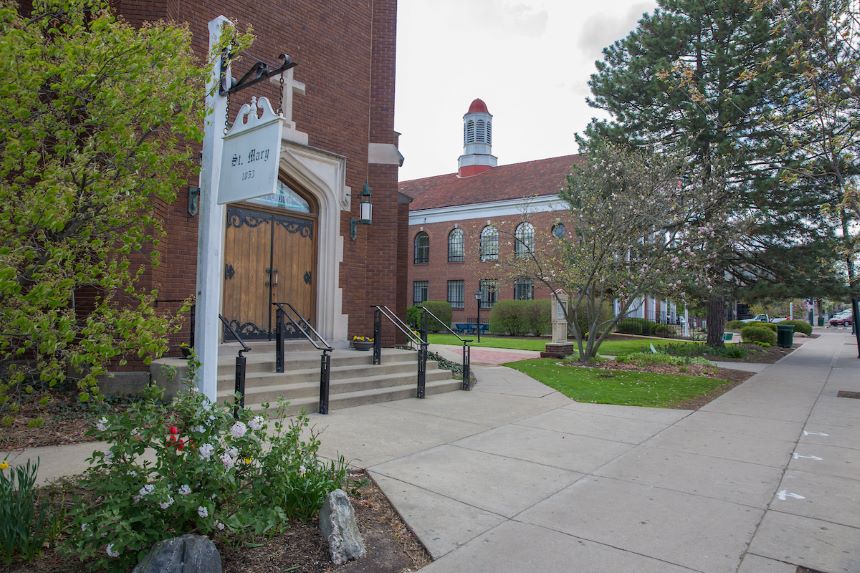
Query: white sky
[[529, 60]]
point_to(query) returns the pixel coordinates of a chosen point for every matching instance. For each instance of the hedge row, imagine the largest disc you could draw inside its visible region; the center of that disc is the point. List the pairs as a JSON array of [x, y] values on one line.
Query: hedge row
[[644, 327], [799, 326], [521, 317]]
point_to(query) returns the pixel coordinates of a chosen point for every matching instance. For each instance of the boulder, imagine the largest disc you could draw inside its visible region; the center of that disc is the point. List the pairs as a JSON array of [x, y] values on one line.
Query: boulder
[[337, 522], [186, 554]]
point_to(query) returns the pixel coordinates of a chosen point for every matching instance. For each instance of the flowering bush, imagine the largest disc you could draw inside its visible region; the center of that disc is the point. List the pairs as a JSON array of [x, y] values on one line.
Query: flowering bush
[[362, 339], [190, 467]]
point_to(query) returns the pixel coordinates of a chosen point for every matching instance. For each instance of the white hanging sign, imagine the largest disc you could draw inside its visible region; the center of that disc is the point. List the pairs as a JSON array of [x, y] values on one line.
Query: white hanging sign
[[250, 157]]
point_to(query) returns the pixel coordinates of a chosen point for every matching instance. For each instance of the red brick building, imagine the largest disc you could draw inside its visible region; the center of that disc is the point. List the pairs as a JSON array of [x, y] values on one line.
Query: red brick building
[[300, 244], [462, 224]]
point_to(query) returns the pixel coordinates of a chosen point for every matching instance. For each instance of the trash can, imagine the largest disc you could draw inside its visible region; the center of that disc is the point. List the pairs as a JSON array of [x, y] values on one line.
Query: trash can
[[784, 335], [820, 320]]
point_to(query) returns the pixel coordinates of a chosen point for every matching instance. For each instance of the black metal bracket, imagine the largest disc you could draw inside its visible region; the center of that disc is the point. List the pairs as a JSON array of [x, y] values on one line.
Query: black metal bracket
[[259, 71]]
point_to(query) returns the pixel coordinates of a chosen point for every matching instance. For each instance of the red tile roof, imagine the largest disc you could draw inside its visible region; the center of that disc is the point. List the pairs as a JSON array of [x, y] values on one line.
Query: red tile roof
[[515, 181]]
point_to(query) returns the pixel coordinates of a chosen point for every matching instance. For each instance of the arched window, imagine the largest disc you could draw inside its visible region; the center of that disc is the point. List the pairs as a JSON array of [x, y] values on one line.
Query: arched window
[[422, 248], [470, 131], [489, 244], [480, 134], [525, 240], [455, 246]]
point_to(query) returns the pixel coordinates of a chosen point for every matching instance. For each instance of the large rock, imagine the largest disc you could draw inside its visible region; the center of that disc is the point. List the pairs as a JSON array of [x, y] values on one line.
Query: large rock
[[337, 522], [186, 554]]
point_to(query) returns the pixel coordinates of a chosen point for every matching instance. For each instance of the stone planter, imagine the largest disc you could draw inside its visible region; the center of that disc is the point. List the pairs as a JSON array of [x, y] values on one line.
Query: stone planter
[[364, 346]]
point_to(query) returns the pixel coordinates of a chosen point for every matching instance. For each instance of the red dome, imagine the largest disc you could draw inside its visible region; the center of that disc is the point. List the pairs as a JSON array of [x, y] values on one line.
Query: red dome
[[478, 106]]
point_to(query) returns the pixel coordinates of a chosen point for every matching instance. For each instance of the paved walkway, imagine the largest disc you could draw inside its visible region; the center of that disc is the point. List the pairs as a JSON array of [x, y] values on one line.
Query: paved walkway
[[513, 476]]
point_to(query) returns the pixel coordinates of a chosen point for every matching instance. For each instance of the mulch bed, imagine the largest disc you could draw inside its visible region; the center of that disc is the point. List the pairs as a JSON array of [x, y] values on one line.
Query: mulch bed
[[65, 420], [391, 546]]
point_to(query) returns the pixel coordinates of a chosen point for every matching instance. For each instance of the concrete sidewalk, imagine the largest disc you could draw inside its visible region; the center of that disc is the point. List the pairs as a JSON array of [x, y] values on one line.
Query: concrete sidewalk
[[761, 480], [513, 476]]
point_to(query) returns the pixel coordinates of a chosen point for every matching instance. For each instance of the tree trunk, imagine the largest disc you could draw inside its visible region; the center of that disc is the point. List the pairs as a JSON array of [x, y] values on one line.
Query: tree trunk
[[716, 319]]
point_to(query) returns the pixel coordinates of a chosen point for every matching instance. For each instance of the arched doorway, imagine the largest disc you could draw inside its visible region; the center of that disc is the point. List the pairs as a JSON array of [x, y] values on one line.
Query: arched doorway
[[270, 256]]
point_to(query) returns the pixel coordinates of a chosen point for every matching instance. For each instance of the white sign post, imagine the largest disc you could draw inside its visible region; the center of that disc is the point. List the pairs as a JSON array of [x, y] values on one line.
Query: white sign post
[[251, 152], [210, 243]]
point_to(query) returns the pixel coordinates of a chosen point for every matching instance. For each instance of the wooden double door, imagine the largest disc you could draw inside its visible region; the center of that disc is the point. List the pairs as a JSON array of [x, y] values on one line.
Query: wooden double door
[[269, 257]]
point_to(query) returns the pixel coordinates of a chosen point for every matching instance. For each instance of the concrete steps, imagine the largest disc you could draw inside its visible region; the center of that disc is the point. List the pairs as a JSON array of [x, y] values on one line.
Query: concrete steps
[[354, 381]]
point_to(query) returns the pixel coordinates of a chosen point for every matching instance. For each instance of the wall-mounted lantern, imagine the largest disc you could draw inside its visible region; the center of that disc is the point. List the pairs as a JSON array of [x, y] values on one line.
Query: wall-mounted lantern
[[365, 212], [193, 201]]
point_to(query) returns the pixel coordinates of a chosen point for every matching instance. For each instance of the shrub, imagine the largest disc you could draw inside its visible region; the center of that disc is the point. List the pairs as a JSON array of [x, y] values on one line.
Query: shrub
[[24, 521], [636, 326], [799, 326], [727, 351], [509, 317], [520, 317], [539, 317], [441, 308], [736, 325], [758, 333], [664, 330], [212, 475]]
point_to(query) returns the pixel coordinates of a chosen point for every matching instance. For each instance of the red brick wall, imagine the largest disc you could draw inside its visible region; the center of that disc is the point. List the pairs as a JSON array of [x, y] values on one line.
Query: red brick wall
[[346, 57], [438, 271]]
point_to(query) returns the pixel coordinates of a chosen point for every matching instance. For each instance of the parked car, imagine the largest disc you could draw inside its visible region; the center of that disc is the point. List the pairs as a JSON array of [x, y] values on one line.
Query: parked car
[[844, 318], [757, 318], [778, 318]]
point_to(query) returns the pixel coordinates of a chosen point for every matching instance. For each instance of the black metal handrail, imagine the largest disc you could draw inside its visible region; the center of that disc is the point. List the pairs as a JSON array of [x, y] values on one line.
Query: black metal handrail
[[304, 326], [241, 364], [420, 341], [467, 350]]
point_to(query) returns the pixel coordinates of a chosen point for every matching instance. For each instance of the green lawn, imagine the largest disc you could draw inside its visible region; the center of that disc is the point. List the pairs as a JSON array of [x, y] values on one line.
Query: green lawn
[[600, 386], [617, 347]]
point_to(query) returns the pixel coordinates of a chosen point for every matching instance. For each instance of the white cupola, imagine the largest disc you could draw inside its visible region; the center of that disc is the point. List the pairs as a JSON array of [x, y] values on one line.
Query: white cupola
[[477, 141]]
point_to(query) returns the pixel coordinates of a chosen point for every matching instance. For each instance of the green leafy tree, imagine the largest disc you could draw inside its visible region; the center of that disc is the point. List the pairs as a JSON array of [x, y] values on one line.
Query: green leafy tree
[[703, 78], [99, 121]]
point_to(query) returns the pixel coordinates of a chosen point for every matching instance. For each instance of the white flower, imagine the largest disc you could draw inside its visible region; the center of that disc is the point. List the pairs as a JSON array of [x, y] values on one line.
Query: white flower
[[111, 551], [256, 423], [166, 504], [135, 498], [302, 470], [184, 490], [146, 490], [227, 460], [219, 525], [199, 429], [234, 453], [84, 526], [101, 425], [206, 451], [238, 430], [203, 512], [135, 432], [108, 457]]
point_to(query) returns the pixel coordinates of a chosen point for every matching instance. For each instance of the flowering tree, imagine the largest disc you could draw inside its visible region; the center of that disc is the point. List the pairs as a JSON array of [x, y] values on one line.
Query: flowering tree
[[99, 121], [633, 228]]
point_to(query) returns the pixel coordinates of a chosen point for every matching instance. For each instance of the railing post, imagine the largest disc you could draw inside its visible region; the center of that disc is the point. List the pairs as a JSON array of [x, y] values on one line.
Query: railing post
[[377, 337], [422, 358], [240, 383], [467, 366], [325, 364], [279, 340]]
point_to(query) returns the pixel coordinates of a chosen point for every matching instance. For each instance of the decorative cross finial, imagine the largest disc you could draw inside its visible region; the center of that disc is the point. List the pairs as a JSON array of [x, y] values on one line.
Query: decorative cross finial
[[289, 87]]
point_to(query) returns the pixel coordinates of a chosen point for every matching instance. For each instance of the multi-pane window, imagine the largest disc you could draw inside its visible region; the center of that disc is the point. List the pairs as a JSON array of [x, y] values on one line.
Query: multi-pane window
[[488, 292], [422, 248], [525, 240], [489, 244], [456, 294], [524, 289], [419, 291], [455, 246]]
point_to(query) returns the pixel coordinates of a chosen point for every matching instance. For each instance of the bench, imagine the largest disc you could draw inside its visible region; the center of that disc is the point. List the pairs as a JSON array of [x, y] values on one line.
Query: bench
[[470, 327]]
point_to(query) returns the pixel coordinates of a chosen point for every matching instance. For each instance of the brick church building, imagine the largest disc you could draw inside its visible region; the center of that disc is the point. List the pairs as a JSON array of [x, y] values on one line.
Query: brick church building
[[302, 244], [461, 225]]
